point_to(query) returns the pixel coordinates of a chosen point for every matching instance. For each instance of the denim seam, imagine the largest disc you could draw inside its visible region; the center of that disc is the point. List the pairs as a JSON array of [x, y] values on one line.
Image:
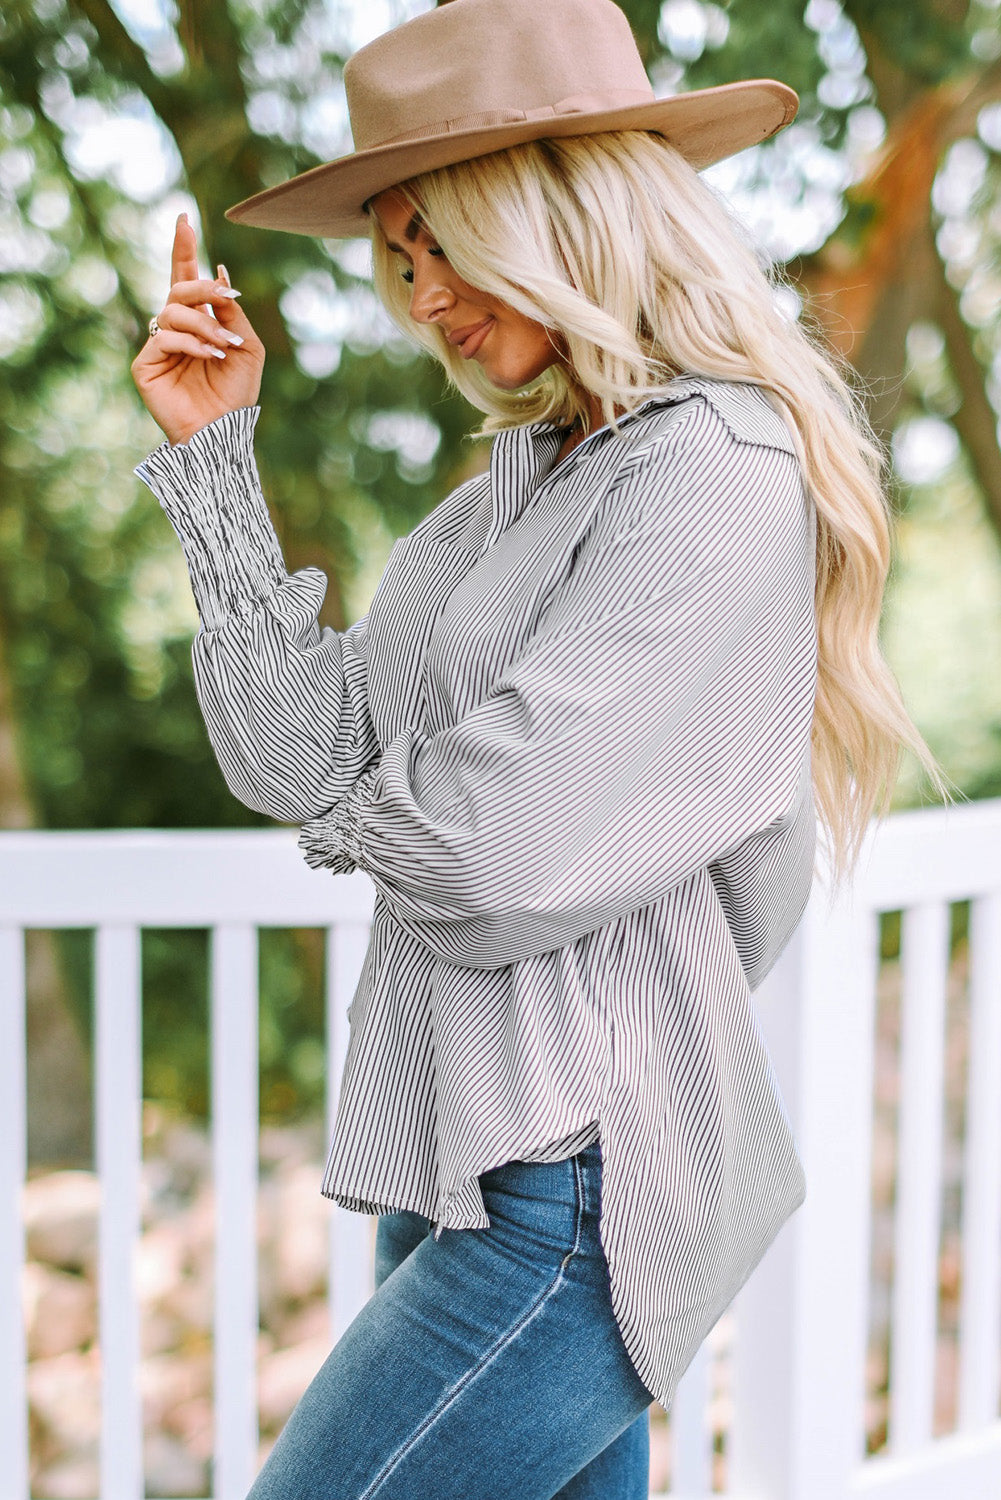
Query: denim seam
[[492, 1353]]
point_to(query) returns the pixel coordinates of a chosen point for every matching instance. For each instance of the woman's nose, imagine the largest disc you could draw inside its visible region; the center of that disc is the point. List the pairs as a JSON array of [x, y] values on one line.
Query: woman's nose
[[431, 296]]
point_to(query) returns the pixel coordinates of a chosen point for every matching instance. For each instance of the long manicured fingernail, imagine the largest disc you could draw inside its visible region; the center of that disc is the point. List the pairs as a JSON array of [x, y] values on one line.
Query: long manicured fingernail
[[234, 338], [181, 219], [211, 349], [228, 291], [222, 274]]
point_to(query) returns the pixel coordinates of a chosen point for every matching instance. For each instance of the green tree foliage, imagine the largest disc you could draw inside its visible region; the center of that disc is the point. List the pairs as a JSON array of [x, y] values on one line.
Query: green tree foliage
[[87, 562]]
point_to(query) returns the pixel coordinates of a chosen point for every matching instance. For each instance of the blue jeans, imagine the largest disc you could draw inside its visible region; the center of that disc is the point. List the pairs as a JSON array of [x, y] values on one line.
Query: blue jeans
[[487, 1365]]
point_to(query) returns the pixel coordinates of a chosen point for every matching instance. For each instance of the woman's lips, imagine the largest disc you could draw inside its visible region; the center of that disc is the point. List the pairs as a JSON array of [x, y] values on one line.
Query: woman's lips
[[468, 340]]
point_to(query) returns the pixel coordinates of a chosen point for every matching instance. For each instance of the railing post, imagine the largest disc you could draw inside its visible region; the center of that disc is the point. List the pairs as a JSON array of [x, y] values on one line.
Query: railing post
[[350, 1244], [13, 1155], [691, 1440], [234, 1164], [119, 1157], [980, 1279], [924, 971], [801, 1319]]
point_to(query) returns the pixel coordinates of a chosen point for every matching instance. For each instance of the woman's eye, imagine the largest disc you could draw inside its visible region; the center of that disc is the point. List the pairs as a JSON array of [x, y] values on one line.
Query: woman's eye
[[408, 272]]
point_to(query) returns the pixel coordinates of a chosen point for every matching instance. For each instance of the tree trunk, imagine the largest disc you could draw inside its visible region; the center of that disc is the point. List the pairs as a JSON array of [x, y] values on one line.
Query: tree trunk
[[59, 1110]]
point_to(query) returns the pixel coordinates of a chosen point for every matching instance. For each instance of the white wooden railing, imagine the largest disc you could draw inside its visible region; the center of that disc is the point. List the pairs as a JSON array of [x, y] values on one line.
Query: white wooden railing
[[799, 1431], [796, 1430]]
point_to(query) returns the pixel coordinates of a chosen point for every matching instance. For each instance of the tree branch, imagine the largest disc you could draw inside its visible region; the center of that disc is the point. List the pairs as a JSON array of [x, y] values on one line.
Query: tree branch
[[125, 50], [84, 197], [213, 49], [976, 421]]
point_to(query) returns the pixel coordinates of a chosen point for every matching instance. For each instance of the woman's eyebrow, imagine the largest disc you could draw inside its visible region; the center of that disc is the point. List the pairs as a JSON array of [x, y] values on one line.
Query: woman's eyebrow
[[410, 233]]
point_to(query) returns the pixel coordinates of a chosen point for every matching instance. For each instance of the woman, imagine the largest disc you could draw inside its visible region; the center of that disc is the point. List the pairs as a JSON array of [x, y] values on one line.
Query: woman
[[575, 744]]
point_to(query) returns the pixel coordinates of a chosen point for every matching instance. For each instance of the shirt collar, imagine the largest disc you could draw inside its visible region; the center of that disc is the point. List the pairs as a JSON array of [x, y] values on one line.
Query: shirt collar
[[679, 388], [522, 457]]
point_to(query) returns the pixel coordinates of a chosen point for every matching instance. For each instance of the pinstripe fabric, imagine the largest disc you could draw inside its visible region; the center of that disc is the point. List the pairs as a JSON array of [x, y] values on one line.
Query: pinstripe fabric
[[570, 745]]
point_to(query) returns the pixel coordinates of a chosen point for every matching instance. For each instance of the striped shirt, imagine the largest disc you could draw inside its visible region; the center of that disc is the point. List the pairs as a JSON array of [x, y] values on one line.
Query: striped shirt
[[570, 745]]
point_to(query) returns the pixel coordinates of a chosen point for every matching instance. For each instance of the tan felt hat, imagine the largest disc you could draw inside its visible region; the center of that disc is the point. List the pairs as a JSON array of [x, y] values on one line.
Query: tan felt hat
[[475, 76]]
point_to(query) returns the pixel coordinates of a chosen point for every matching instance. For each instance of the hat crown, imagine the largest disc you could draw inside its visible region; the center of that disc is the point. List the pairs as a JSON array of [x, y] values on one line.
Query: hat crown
[[478, 61], [476, 76]]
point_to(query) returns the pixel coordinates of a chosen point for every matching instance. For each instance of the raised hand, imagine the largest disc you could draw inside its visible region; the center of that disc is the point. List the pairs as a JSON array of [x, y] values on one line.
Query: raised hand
[[206, 358]]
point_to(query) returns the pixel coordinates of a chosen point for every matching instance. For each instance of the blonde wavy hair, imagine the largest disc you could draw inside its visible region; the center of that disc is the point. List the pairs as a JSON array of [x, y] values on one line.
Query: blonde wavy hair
[[615, 244]]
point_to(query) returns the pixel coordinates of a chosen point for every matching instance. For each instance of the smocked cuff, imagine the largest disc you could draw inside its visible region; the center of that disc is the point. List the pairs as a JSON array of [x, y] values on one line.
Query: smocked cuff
[[211, 492], [333, 841]]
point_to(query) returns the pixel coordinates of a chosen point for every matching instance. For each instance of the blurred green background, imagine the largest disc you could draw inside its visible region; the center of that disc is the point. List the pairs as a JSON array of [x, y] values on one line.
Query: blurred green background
[[881, 202]]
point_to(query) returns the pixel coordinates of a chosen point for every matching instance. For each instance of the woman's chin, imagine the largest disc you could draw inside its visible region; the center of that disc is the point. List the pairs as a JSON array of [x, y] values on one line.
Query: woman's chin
[[512, 384]]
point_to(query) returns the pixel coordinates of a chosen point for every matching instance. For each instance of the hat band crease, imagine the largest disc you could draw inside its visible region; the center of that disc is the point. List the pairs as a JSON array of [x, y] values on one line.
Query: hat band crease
[[576, 104]]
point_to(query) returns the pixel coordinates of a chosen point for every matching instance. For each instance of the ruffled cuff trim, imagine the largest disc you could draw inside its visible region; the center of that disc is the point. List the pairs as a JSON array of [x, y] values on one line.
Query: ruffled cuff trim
[[211, 493], [333, 841]]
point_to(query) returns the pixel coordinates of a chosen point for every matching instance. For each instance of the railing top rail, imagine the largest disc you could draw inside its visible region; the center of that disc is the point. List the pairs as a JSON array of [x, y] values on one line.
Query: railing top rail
[[930, 854], [203, 877], [168, 878]]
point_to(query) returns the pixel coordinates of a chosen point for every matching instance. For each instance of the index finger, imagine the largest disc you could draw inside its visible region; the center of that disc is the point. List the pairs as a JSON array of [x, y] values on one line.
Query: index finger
[[184, 253]]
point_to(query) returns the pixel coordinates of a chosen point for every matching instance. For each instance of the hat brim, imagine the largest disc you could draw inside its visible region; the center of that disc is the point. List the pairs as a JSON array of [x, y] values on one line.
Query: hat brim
[[705, 125]]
